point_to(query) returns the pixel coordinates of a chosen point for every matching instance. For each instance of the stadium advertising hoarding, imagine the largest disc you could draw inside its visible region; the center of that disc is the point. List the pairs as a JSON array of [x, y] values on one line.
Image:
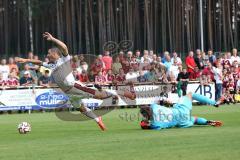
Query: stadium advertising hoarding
[[31, 99], [147, 94], [38, 98]]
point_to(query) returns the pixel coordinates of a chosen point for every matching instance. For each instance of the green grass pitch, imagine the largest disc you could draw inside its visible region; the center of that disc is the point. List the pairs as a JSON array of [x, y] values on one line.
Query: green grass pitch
[[53, 139]]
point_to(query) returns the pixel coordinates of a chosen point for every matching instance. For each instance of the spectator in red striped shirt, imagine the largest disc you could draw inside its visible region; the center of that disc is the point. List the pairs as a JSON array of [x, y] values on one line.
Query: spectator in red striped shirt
[[100, 78], [226, 61], [121, 77], [110, 76], [12, 81]]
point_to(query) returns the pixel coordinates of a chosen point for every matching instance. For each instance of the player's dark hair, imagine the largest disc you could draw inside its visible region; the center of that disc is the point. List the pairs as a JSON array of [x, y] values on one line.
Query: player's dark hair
[[146, 112]]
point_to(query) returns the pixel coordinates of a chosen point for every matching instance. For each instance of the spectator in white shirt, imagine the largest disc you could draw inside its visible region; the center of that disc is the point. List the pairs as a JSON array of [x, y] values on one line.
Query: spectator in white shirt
[[4, 69], [218, 78], [235, 56], [145, 56], [174, 70], [132, 76], [175, 57]]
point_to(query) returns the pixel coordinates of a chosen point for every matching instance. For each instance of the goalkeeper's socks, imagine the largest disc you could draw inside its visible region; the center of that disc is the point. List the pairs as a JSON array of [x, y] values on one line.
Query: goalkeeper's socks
[[203, 99], [201, 121]]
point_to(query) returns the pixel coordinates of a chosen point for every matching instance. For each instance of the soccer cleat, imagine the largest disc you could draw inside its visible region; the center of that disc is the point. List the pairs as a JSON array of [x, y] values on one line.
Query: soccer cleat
[[219, 101], [215, 123], [101, 124]]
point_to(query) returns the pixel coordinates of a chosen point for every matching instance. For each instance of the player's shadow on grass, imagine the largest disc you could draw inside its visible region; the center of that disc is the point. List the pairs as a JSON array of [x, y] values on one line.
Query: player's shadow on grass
[[66, 115]]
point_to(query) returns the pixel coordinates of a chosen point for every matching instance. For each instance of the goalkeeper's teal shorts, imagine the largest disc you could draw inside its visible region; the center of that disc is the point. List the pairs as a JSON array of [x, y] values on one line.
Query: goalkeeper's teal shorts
[[182, 111]]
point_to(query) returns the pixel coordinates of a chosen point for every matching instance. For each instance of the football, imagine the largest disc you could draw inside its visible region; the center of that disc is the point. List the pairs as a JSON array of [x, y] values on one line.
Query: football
[[24, 127]]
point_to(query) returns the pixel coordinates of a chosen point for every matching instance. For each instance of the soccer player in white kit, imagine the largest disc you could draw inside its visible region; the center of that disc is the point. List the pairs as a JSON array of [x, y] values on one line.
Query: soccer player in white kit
[[59, 63]]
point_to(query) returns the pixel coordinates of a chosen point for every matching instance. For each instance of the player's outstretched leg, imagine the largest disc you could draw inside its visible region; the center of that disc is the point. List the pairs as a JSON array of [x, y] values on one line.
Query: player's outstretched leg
[[85, 89], [89, 113], [206, 100], [199, 121], [128, 94], [203, 121]]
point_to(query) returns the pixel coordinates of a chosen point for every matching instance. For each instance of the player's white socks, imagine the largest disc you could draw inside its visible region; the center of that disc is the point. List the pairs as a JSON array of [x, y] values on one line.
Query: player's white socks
[[89, 113]]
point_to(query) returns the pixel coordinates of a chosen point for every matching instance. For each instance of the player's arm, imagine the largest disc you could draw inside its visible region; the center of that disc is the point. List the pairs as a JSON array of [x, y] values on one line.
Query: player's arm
[[62, 46], [23, 60]]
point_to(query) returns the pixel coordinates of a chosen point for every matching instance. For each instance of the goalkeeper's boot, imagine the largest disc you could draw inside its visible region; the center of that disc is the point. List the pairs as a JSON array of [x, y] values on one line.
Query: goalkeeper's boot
[[219, 102], [215, 123]]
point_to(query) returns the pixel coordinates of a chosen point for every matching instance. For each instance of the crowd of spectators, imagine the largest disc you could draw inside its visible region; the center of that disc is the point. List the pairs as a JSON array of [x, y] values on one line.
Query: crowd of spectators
[[221, 68], [13, 74]]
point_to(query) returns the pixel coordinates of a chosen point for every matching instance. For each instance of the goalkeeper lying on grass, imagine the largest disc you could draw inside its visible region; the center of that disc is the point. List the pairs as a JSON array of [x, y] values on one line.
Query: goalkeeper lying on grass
[[160, 117]]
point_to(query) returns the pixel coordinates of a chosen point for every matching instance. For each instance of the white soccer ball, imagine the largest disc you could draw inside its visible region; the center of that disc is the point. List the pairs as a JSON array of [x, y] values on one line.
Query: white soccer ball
[[24, 127]]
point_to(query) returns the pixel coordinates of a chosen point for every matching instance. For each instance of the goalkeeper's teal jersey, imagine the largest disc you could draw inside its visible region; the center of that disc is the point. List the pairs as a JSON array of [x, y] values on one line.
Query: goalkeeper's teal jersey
[[178, 116], [162, 117]]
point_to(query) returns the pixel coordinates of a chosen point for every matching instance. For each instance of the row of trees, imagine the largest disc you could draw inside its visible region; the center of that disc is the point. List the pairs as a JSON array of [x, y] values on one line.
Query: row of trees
[[86, 25]]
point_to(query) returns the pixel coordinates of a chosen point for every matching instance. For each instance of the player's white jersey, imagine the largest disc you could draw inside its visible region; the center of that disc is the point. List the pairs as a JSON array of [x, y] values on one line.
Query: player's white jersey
[[62, 72]]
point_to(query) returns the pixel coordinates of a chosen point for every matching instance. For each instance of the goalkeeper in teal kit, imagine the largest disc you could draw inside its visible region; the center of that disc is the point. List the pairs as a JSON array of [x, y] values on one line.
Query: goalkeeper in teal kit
[[160, 117]]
